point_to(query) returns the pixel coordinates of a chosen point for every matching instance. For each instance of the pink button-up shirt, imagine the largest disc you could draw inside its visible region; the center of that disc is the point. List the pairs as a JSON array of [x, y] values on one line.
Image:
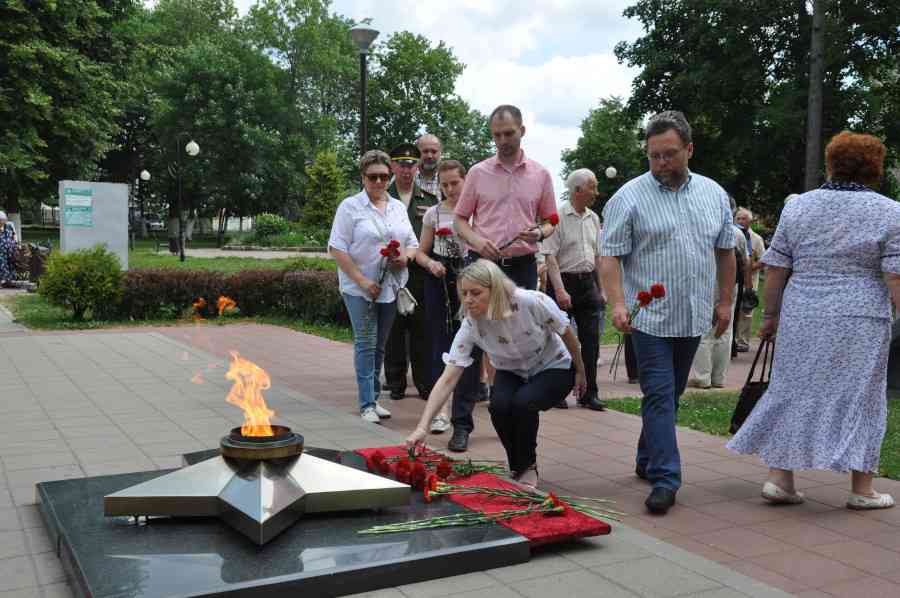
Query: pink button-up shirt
[[504, 202]]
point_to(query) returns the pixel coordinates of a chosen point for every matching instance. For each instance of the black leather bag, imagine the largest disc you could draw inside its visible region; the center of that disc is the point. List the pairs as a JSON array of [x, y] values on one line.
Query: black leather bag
[[754, 390]]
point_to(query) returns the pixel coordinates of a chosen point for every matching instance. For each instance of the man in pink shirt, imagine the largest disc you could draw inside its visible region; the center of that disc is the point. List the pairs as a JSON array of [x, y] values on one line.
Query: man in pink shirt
[[509, 199]]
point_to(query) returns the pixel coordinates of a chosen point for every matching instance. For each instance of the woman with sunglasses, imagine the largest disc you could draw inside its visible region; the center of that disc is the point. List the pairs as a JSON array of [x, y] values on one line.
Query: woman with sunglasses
[[367, 226]]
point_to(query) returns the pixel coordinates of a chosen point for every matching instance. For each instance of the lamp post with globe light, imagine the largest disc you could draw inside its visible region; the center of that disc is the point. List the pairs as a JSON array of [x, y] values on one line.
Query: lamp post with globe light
[[191, 149], [363, 36]]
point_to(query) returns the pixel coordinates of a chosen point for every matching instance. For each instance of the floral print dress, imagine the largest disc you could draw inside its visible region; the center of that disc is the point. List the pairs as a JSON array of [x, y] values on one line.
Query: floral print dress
[[826, 405], [7, 253]]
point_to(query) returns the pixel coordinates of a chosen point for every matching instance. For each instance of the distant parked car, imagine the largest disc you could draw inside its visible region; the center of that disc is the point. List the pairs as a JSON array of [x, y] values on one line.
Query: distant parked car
[[155, 223]]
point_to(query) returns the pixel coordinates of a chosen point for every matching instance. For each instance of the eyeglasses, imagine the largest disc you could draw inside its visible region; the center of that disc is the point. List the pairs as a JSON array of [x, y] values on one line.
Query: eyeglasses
[[665, 156], [375, 178]]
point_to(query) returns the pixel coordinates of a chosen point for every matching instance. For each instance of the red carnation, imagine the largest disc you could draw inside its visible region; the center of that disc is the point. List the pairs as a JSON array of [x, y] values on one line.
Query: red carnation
[[385, 251], [644, 298], [418, 475], [394, 243], [430, 485], [658, 290], [384, 467], [378, 457], [443, 232], [444, 469], [553, 219]]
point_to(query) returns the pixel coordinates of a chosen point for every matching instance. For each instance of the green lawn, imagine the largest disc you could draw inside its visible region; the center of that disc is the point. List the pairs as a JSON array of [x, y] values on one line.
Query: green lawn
[[710, 412]]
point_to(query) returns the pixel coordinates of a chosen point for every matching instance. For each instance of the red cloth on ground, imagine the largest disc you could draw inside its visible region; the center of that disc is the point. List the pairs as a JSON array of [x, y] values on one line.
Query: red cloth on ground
[[539, 528]]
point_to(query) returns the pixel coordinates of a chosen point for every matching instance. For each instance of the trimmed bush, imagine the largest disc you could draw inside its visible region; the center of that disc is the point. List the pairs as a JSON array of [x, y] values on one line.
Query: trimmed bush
[[314, 297], [269, 225], [256, 292], [87, 280], [162, 292]]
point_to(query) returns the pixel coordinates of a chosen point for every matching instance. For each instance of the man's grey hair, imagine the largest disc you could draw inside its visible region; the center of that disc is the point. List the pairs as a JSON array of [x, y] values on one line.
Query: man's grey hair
[[578, 178], [429, 137], [791, 198], [743, 210], [670, 120]]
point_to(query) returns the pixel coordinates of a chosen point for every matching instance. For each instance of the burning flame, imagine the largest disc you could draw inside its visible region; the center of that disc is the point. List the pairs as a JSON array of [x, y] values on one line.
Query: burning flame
[[249, 382]]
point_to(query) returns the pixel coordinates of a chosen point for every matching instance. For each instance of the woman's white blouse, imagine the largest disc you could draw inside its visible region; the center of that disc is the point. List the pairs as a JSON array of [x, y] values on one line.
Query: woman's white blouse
[[526, 343], [354, 232]]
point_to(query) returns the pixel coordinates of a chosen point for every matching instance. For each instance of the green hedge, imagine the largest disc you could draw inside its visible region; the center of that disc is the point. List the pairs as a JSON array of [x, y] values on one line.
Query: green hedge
[[312, 296]]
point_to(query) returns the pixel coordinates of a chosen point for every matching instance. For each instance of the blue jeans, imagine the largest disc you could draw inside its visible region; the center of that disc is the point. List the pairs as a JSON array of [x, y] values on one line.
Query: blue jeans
[[371, 324], [664, 363]]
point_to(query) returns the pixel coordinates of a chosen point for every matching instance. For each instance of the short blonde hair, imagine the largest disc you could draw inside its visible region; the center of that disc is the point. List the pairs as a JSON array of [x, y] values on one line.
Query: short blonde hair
[[372, 157], [487, 274]]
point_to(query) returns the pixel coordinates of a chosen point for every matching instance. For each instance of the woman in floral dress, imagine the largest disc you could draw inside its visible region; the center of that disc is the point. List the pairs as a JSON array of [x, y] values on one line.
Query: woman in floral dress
[[529, 342], [8, 246], [833, 270]]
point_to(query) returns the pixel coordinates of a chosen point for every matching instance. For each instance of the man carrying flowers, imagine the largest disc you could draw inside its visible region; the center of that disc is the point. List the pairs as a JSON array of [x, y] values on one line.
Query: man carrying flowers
[[673, 226]]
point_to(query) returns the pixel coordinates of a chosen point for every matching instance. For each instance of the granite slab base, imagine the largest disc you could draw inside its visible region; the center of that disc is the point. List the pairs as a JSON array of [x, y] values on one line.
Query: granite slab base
[[320, 555]]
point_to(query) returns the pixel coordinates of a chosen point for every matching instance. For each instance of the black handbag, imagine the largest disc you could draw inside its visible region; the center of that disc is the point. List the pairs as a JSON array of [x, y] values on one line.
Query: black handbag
[[754, 390]]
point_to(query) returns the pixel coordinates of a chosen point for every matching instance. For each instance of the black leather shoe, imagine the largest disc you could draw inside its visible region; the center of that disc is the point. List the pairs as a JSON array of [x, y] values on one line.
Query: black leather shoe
[[460, 441], [484, 393], [592, 402], [660, 500], [640, 472], [397, 395], [561, 404]]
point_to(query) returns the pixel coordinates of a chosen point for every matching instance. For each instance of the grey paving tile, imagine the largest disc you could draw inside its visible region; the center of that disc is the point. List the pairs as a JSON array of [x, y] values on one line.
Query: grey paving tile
[[656, 577], [26, 477], [30, 516], [38, 540], [720, 593], [12, 544], [386, 593], [436, 588], [57, 590], [144, 464], [17, 573], [49, 568], [6, 500], [9, 520], [499, 592], [23, 495], [596, 552], [32, 592], [541, 564], [580, 582], [15, 463]]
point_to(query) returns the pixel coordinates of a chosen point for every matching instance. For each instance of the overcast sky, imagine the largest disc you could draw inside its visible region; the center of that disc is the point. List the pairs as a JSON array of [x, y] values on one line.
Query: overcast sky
[[552, 58]]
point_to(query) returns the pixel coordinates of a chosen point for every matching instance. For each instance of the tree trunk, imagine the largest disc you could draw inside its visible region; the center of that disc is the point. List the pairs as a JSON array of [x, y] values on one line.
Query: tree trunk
[[223, 222], [814, 105]]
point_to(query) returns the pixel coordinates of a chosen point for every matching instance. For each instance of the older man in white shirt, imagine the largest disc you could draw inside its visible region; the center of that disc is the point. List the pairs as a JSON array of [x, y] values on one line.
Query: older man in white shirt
[[573, 269]]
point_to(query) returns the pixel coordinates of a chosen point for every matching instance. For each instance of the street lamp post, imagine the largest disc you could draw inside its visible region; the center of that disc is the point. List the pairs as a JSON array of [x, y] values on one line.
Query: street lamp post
[[191, 149], [363, 37], [145, 178]]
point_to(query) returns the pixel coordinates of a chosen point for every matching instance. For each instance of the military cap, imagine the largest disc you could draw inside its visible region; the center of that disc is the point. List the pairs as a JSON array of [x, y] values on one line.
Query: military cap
[[405, 153]]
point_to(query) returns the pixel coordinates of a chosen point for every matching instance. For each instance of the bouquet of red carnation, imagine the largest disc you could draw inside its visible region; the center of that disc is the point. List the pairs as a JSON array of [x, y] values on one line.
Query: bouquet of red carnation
[[645, 298], [444, 231], [389, 251]]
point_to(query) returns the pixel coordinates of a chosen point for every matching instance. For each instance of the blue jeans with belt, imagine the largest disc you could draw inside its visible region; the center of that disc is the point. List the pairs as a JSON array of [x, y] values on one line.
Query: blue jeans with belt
[[371, 324], [664, 363]]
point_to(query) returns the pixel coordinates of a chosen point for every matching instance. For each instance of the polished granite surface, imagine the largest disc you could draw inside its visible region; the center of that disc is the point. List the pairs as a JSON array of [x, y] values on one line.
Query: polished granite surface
[[112, 556]]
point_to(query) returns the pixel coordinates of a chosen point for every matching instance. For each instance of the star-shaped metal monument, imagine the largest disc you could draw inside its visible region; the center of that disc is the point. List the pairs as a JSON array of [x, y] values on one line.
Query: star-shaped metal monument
[[256, 495]]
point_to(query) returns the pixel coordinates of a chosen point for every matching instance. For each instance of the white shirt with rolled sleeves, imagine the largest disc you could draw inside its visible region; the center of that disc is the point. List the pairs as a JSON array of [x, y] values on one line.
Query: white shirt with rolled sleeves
[[354, 232], [669, 237], [526, 343], [576, 241]]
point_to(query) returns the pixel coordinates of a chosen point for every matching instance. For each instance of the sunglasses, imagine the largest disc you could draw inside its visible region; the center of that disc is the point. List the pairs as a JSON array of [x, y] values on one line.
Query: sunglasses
[[375, 178]]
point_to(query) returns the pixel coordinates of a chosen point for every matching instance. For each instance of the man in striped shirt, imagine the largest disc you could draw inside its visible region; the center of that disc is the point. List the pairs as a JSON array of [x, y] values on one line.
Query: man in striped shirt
[[668, 226]]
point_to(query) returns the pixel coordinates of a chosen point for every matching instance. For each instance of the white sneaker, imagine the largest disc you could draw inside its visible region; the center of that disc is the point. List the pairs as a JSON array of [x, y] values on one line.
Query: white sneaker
[[369, 415], [381, 411], [440, 424]]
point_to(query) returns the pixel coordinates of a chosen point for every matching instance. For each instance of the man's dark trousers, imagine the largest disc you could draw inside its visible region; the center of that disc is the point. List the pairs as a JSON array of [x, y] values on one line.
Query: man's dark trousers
[[586, 310], [397, 354], [664, 363]]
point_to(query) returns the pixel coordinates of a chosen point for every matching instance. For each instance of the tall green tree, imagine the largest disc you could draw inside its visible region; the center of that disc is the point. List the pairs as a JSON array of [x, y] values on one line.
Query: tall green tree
[[610, 136], [412, 90], [325, 184], [740, 72], [58, 93]]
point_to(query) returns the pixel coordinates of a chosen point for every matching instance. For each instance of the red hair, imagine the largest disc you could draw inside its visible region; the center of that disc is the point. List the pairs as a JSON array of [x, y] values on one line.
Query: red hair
[[855, 158]]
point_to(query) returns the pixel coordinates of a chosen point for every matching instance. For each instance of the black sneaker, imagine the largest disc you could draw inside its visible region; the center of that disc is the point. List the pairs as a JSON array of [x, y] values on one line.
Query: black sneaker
[[660, 500], [640, 471], [460, 441], [397, 395], [561, 404], [592, 402]]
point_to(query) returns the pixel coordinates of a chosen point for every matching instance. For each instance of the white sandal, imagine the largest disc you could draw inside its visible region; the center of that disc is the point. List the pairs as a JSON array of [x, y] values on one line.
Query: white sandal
[[774, 494], [861, 502]]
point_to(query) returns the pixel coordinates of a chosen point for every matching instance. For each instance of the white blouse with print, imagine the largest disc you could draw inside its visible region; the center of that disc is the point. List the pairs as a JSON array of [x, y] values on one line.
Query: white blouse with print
[[526, 343]]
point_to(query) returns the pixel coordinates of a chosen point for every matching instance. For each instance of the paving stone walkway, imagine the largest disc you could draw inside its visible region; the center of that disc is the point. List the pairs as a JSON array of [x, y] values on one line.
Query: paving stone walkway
[[86, 404]]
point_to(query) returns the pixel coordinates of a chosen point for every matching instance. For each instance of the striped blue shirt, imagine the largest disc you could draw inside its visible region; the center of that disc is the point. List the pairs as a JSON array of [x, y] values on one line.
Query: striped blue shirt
[[669, 237]]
